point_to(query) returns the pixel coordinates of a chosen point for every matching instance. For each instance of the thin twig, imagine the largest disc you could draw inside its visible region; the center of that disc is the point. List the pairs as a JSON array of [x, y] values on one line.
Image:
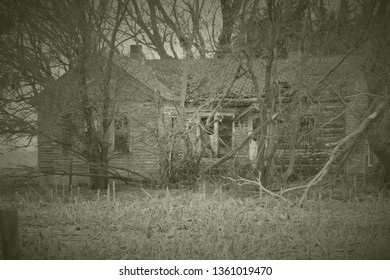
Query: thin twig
[[242, 181]]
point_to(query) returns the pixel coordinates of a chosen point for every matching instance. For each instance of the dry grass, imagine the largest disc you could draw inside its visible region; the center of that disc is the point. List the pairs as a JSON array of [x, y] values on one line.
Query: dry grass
[[201, 224]]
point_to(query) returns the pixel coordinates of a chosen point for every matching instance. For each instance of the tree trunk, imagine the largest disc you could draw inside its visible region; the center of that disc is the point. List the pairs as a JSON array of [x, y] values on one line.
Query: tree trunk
[[266, 147], [378, 81], [98, 166], [379, 138], [99, 182], [229, 10]]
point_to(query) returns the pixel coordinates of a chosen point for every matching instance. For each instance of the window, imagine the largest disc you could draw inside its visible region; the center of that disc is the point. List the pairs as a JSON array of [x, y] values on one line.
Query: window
[[225, 135], [174, 121], [217, 137], [121, 134], [306, 123]]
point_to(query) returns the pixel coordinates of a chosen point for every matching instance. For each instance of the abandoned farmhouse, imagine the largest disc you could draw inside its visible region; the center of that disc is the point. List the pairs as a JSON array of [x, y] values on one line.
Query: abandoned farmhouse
[[318, 108]]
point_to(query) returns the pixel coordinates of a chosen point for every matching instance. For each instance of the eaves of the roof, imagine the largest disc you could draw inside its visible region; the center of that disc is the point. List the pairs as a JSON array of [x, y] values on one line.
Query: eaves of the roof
[[212, 78]]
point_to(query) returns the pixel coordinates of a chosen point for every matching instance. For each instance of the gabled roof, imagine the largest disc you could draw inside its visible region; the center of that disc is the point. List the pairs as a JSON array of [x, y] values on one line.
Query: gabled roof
[[125, 70]]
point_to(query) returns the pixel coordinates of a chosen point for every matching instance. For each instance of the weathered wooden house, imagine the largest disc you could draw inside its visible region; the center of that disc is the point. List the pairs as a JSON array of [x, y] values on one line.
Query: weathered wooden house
[[137, 100], [147, 95]]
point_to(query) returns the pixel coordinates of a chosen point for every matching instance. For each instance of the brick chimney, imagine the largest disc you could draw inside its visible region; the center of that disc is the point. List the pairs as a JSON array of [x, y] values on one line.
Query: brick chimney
[[136, 52]]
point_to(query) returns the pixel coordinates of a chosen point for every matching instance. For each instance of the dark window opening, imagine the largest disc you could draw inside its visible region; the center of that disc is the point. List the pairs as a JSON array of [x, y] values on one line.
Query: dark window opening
[[174, 121], [225, 135], [306, 124], [121, 134]]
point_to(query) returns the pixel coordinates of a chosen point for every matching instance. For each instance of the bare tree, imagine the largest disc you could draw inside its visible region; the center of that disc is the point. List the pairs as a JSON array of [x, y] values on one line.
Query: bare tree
[[53, 39], [97, 154], [160, 24]]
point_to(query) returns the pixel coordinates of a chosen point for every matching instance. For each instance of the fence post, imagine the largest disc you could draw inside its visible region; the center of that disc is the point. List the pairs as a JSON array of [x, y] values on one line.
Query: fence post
[[10, 234]]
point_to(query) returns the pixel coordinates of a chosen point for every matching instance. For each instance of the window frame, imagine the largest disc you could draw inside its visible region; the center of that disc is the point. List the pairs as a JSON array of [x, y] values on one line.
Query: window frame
[[125, 133], [309, 126]]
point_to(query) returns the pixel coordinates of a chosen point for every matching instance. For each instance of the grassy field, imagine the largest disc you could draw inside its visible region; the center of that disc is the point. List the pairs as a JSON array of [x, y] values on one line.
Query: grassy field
[[209, 222]]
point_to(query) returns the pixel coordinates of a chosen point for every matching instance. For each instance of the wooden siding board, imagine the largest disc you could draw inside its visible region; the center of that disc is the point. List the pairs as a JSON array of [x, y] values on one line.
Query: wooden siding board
[[143, 157]]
